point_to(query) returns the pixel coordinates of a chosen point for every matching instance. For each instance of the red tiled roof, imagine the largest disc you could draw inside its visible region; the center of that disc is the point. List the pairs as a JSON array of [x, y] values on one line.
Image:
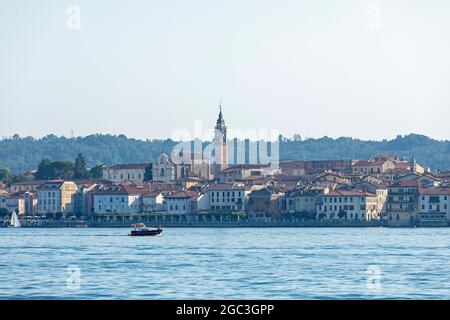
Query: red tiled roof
[[406, 183], [31, 182], [368, 163], [129, 166], [245, 167], [401, 165], [435, 191], [352, 192], [151, 194], [182, 195], [121, 189], [223, 186]]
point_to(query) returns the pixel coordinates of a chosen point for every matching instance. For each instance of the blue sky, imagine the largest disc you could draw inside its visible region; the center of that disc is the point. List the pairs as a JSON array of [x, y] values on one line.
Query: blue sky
[[366, 69]]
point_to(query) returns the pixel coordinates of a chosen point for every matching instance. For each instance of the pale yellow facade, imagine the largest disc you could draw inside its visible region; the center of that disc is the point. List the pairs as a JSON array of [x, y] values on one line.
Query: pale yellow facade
[[56, 197]]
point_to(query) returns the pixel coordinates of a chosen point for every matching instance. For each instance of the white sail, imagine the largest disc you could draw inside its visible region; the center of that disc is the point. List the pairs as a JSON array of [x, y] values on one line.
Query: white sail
[[15, 220]]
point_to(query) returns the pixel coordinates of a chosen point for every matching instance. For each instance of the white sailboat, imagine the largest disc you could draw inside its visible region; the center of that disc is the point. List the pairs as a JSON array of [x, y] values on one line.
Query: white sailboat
[[15, 223]]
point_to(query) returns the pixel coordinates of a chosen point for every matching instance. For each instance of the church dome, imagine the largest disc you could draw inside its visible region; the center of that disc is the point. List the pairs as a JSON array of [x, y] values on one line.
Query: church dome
[[163, 158]]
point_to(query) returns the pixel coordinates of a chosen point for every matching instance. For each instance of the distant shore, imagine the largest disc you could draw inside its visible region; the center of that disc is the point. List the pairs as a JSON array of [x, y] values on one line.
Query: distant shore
[[217, 224]]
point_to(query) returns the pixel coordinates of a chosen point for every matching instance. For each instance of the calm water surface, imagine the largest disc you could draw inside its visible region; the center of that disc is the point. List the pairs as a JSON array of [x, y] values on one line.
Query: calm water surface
[[203, 263]]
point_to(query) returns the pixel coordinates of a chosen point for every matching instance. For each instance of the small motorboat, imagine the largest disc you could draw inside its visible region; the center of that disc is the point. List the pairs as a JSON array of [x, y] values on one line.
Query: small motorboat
[[140, 229]]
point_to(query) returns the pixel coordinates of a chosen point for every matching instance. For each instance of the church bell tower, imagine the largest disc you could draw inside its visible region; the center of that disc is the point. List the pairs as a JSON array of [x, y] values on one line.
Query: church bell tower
[[220, 143]]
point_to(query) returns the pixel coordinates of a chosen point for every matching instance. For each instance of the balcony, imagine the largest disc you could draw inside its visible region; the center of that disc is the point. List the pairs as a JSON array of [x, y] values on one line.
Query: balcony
[[403, 201], [400, 193]]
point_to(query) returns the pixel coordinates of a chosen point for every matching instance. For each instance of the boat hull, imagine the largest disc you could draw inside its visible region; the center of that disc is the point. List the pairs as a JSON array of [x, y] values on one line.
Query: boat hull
[[145, 233]]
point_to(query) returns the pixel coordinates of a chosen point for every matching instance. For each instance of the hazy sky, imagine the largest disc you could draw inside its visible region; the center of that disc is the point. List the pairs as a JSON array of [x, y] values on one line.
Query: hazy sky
[[366, 69]]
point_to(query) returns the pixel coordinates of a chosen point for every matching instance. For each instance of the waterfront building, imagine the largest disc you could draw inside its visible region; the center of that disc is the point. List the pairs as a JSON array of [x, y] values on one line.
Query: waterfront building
[[3, 195], [153, 201], [303, 199], [56, 197], [348, 204], [380, 189], [12, 202], [182, 202], [434, 206], [263, 203], [122, 172], [30, 203], [403, 202], [226, 197], [21, 202], [83, 201], [120, 198]]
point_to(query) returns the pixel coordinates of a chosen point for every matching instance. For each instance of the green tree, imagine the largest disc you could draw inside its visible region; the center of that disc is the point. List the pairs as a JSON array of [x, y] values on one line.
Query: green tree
[[6, 176], [61, 170], [148, 175], [23, 177], [96, 172], [43, 171], [20, 154], [3, 212], [54, 170], [80, 171]]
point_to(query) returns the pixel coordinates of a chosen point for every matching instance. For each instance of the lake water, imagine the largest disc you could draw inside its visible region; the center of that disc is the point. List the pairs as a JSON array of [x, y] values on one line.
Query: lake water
[[237, 263]]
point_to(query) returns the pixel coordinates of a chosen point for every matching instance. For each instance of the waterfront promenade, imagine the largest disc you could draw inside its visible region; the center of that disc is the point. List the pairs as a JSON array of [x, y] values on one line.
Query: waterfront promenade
[[202, 221], [245, 224], [180, 222]]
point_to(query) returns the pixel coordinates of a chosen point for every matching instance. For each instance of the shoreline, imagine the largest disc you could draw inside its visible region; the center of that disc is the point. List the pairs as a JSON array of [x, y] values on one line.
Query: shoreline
[[217, 224]]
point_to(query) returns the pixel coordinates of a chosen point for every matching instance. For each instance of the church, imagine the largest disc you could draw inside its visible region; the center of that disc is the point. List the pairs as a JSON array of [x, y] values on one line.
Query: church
[[220, 152], [201, 166]]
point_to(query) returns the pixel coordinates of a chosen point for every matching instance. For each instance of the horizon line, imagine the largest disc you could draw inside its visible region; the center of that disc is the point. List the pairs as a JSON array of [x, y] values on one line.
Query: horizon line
[[291, 138]]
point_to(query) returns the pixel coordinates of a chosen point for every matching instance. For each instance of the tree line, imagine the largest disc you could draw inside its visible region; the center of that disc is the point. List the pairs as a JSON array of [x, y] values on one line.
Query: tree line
[[19, 155], [53, 170]]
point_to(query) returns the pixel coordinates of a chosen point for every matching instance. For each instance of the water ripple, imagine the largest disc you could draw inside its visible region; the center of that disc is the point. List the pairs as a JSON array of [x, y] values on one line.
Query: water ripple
[[251, 263]]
